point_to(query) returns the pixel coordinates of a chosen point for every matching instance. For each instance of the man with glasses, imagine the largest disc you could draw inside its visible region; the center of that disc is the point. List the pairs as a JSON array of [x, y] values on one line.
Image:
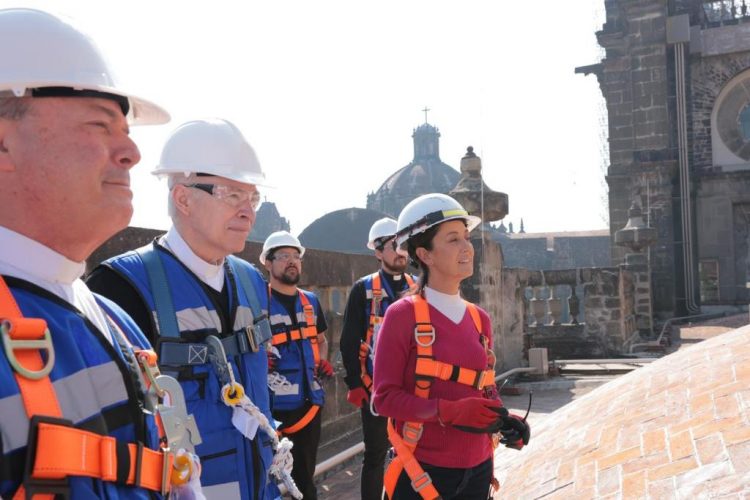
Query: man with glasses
[[299, 362], [186, 286], [368, 299]]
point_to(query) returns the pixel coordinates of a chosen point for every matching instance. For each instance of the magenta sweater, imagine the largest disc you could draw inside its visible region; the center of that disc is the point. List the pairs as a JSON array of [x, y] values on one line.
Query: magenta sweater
[[395, 362]]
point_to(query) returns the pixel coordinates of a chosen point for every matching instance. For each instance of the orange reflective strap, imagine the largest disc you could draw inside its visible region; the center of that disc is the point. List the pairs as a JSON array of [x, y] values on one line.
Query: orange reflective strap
[[478, 379], [364, 352], [311, 330], [283, 338], [474, 313], [93, 455], [301, 423], [23, 338], [366, 345], [421, 481]]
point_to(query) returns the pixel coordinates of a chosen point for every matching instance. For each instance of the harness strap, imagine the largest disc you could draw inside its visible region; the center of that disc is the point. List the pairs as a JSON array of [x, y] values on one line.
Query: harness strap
[[478, 379], [301, 423], [59, 450], [307, 332], [247, 285], [63, 451], [428, 369], [296, 334], [421, 481], [375, 319], [157, 278]]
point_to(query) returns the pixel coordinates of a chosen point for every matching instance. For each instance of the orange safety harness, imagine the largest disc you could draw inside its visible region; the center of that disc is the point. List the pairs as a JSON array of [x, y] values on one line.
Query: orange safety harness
[[428, 369], [308, 332], [56, 448], [375, 319]]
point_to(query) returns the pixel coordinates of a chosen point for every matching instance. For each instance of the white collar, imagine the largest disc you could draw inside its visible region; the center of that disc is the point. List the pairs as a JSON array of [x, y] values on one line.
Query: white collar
[[452, 306], [211, 274], [35, 262], [29, 260]]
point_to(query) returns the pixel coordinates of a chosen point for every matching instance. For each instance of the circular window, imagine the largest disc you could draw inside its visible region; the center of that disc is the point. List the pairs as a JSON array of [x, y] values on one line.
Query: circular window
[[733, 119]]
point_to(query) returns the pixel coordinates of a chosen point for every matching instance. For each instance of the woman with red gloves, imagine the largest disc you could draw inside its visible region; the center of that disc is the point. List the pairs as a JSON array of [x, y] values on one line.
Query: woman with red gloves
[[437, 381]]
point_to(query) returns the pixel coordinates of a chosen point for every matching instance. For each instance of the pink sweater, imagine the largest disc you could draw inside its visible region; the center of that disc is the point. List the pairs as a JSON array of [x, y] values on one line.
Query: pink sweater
[[395, 363]]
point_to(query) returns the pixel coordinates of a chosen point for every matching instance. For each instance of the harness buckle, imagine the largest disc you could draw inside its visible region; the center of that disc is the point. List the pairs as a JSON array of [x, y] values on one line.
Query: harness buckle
[[428, 334], [40, 486], [42, 344], [179, 427], [250, 336], [421, 482], [412, 434]]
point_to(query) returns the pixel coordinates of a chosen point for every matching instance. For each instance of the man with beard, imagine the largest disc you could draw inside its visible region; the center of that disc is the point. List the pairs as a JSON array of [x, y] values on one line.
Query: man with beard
[[186, 287], [298, 359], [369, 298]]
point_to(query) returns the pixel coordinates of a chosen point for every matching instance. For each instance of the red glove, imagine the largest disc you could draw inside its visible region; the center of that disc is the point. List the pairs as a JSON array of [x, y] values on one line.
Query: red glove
[[325, 370], [468, 412], [358, 396]]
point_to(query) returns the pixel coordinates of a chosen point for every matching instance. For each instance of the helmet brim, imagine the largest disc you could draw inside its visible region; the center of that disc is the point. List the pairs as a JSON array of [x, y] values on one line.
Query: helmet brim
[[472, 221]]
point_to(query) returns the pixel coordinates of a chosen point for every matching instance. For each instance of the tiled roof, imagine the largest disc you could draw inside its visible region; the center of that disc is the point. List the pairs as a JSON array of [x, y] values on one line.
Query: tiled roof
[[677, 428]]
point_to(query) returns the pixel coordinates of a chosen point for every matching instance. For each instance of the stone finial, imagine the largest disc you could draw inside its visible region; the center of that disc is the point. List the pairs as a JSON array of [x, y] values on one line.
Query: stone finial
[[636, 235], [473, 193]]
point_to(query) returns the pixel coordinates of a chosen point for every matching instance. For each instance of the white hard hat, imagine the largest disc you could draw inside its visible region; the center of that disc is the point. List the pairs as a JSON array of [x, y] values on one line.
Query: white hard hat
[[44, 55], [280, 239], [382, 228], [423, 212], [215, 147]]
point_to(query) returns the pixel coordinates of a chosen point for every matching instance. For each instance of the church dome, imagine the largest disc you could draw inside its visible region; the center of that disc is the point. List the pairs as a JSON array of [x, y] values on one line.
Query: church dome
[[425, 174], [344, 231]]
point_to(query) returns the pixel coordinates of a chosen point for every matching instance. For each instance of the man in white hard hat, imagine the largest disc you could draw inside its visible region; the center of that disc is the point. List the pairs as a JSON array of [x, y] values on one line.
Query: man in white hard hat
[[368, 299], [298, 327], [204, 309], [69, 367]]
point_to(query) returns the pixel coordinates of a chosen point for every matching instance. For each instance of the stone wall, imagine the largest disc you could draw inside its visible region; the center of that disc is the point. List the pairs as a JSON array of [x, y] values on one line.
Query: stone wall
[[609, 316], [636, 79], [723, 200], [609, 307]]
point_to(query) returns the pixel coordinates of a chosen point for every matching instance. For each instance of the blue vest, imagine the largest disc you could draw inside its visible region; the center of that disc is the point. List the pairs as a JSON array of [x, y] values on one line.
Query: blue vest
[[297, 363], [388, 297], [93, 383], [233, 466]]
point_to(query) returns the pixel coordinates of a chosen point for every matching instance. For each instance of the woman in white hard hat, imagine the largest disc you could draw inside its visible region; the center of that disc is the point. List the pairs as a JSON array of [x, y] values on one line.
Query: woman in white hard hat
[[437, 382]]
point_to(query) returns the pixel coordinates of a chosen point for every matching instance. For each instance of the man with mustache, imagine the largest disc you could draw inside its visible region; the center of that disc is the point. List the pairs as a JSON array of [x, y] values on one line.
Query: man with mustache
[[300, 362], [369, 297], [186, 286]]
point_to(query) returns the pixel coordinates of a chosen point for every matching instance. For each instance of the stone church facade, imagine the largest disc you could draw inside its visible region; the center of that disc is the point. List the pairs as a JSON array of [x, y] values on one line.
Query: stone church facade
[[676, 80]]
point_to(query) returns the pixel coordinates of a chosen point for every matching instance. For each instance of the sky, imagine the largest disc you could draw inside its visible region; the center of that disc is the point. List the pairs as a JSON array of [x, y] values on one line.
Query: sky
[[329, 92]]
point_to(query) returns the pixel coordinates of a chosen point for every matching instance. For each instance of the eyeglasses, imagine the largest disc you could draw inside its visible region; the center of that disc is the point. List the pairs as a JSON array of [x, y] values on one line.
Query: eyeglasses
[[234, 197], [286, 257], [381, 243]]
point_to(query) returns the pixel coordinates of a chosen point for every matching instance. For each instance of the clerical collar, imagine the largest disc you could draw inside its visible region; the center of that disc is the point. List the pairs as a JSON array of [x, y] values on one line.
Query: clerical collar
[[36, 261], [211, 274]]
